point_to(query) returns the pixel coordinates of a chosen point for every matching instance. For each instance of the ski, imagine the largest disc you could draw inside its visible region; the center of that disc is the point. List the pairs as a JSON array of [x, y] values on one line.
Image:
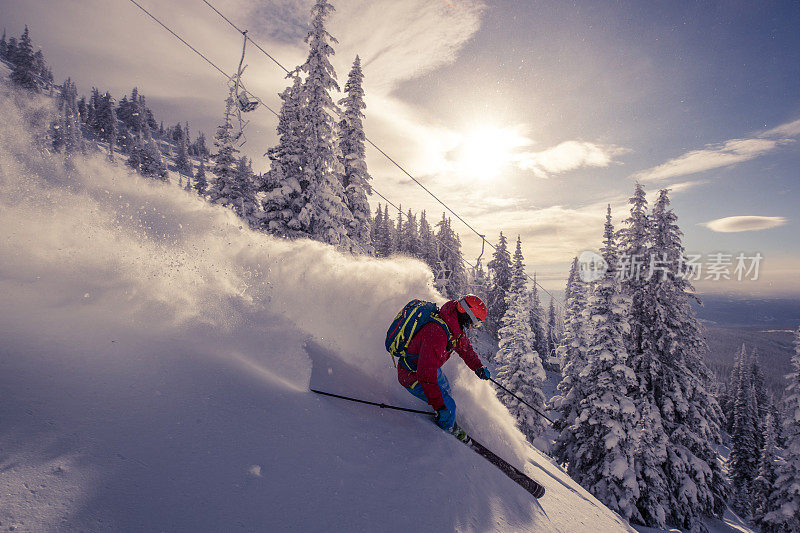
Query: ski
[[536, 490]]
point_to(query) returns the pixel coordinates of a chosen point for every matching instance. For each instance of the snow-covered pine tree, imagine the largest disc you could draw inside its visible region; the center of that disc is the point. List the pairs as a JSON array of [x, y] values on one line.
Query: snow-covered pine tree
[[225, 189], [634, 247], [500, 273], [675, 379], [426, 241], [572, 351], [246, 205], [106, 117], [745, 451], [553, 337], [323, 213], [452, 262], [600, 446], [762, 398], [182, 163], [285, 182], [145, 156], [784, 501], [356, 178], [411, 245], [398, 234], [767, 474], [66, 128], [200, 181], [519, 367], [24, 73], [537, 320]]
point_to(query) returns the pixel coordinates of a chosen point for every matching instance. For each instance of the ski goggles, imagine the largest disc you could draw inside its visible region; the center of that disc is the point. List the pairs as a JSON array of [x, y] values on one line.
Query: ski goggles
[[467, 309]]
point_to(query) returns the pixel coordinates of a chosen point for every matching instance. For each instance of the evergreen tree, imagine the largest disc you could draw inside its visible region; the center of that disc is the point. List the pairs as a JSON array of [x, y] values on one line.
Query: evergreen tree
[[426, 241], [745, 451], [784, 500], [674, 380], [66, 129], [572, 352], [451, 263], [200, 182], [355, 178], [500, 270], [537, 319], [225, 189], [182, 163], [634, 246], [199, 148], [398, 233], [410, 239], [767, 474], [3, 46], [519, 366], [285, 182], [600, 446], [762, 398], [323, 214], [552, 329], [24, 73]]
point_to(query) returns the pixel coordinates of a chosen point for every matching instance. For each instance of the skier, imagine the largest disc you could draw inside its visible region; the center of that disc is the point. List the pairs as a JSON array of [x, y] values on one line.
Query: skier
[[420, 372]]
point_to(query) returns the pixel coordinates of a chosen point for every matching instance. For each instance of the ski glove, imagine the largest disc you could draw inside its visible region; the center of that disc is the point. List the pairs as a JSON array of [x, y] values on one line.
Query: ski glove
[[445, 418], [483, 373]]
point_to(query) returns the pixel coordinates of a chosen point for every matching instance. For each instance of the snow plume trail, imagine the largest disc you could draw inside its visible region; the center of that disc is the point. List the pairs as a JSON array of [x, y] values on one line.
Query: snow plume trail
[[94, 256]]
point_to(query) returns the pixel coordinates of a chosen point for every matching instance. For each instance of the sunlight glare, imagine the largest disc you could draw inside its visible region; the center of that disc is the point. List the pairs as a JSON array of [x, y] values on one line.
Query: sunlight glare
[[485, 152]]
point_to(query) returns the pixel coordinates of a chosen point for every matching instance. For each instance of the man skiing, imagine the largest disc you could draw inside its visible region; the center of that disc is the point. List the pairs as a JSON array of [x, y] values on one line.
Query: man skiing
[[420, 370]]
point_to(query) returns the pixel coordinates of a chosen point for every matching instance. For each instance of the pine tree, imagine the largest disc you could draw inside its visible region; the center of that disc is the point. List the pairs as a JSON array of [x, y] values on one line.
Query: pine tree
[[426, 241], [200, 182], [767, 474], [66, 129], [572, 351], [634, 246], [784, 500], [182, 163], [600, 446], [323, 212], [3, 46], [225, 189], [398, 233], [451, 263], [552, 330], [500, 269], [745, 451], [519, 366], [24, 72], [356, 178], [762, 398], [285, 183], [537, 319], [674, 379]]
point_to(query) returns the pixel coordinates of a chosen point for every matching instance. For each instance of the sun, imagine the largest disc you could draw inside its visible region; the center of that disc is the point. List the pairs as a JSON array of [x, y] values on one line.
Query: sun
[[484, 152]]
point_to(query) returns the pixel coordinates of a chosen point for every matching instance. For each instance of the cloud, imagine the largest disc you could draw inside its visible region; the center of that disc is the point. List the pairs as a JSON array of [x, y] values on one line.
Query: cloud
[[569, 155], [724, 154], [744, 223], [713, 156], [790, 129]]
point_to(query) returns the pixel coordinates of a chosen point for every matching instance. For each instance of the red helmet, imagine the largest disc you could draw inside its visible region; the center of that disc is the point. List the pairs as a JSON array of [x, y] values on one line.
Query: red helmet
[[473, 307]]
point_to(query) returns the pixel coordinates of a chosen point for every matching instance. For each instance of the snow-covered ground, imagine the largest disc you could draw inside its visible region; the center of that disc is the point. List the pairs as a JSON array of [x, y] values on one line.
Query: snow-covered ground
[[155, 367]]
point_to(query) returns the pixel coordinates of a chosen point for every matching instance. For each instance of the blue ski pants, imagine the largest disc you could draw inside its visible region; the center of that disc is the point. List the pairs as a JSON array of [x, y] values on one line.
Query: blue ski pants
[[444, 385]]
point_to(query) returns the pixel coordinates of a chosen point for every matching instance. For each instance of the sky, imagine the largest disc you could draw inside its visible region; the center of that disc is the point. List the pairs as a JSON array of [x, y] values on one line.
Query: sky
[[527, 117]]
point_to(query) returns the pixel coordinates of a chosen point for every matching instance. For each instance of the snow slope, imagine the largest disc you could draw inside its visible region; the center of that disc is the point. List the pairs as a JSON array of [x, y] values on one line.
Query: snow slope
[[155, 363]]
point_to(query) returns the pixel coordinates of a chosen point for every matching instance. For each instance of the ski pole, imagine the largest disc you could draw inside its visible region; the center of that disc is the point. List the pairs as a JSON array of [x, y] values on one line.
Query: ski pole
[[381, 405], [523, 401]]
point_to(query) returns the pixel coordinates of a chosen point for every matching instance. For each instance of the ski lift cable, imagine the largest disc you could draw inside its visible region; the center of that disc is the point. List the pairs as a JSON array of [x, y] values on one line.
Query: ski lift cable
[[196, 51], [257, 98], [395, 163]]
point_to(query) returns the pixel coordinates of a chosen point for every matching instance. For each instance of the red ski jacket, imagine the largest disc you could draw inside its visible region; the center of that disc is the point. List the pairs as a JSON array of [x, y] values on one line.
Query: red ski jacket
[[430, 345]]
